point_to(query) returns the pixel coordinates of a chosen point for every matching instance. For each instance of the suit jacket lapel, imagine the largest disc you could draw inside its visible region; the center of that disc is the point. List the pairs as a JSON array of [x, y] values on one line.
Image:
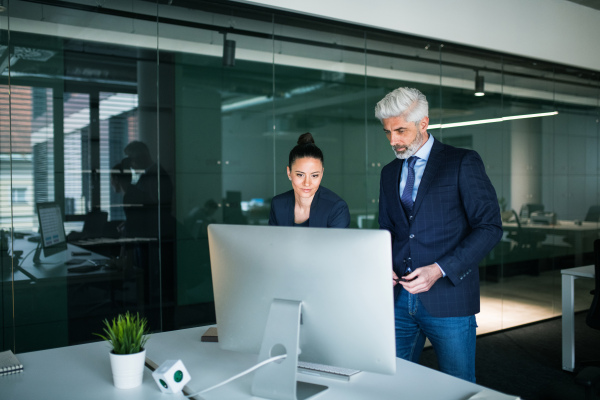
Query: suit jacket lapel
[[291, 204], [433, 164], [396, 185], [314, 216]]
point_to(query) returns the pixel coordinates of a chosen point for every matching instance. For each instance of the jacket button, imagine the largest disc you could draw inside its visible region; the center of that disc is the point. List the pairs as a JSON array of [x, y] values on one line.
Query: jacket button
[[411, 236]]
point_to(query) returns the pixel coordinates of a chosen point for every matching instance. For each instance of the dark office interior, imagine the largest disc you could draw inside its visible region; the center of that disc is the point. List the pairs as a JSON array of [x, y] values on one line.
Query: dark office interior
[[218, 92]]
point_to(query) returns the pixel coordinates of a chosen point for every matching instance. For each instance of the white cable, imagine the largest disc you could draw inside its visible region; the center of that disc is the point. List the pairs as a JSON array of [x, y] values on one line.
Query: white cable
[[257, 366]]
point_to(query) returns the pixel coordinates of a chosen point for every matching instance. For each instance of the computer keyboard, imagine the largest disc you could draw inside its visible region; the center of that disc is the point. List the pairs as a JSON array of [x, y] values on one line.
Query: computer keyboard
[[326, 370], [84, 268], [75, 261]]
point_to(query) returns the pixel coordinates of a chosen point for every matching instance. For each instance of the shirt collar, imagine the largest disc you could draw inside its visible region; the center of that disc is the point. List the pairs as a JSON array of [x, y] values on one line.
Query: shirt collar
[[425, 150]]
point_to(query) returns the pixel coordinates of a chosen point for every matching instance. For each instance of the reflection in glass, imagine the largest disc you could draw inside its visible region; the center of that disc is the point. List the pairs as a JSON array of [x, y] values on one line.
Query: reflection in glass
[[82, 82]]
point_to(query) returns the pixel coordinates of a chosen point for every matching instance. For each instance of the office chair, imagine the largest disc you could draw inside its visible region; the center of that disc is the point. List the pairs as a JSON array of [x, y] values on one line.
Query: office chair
[[93, 224], [593, 214], [525, 239]]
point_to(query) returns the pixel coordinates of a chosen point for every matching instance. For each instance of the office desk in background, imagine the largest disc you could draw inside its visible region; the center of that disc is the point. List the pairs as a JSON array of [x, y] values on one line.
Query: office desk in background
[[83, 371], [51, 304], [568, 312], [578, 234]]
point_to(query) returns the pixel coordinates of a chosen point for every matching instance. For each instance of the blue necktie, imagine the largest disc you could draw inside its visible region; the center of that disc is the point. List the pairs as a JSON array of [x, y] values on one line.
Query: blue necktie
[[406, 197]]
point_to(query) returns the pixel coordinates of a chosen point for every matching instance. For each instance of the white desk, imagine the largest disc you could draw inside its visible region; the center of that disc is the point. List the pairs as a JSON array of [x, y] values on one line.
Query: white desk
[[83, 371], [568, 312]]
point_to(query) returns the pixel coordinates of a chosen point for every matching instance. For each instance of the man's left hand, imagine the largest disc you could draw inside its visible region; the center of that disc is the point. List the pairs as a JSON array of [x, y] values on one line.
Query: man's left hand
[[422, 279]]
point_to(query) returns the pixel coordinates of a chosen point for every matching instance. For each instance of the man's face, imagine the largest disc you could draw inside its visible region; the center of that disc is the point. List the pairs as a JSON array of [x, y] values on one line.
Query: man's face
[[406, 138]]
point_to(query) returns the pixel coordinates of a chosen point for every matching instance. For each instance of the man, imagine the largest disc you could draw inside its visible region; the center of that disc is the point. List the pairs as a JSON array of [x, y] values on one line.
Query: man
[[441, 210], [153, 177], [156, 188]]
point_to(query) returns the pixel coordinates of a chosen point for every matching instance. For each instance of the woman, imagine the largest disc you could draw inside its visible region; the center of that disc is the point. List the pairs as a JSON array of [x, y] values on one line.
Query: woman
[[308, 203]]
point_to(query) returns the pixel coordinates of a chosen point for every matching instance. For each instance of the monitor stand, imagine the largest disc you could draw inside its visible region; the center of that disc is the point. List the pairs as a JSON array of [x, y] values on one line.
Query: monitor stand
[[277, 380], [36, 256], [61, 257]]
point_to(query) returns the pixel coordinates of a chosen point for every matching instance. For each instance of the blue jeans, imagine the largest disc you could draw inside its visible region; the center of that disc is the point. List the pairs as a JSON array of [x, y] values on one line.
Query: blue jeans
[[453, 338]]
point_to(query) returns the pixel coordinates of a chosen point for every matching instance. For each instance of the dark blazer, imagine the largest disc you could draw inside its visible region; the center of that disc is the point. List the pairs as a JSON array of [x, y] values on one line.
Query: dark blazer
[[327, 210], [456, 222]]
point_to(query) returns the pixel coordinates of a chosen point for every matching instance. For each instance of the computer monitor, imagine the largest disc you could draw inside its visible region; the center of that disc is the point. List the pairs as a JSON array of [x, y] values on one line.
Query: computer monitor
[[527, 209], [52, 230], [318, 295]]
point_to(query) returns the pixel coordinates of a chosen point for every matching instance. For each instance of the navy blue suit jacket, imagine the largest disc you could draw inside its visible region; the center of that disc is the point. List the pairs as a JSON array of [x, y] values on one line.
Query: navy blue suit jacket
[[456, 222], [327, 210]]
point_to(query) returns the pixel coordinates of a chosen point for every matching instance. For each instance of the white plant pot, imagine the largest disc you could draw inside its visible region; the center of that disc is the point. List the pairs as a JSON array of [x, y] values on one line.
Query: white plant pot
[[127, 369]]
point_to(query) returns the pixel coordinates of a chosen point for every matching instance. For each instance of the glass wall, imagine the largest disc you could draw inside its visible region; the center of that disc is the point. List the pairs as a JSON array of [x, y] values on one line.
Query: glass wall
[[146, 121]]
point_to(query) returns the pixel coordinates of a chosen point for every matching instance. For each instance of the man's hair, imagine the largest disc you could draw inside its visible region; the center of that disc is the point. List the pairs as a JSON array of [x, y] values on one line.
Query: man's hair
[[138, 152], [407, 103]]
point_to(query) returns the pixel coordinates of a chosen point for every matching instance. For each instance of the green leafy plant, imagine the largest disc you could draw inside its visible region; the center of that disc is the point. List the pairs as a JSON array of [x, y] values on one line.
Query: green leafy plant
[[127, 333]]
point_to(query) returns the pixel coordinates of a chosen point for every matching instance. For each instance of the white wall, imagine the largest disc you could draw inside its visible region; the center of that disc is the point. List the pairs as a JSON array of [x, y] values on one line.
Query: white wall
[[553, 30]]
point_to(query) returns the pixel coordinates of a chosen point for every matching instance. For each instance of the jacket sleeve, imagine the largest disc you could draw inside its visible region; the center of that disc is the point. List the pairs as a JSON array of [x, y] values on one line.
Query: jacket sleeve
[[483, 217]]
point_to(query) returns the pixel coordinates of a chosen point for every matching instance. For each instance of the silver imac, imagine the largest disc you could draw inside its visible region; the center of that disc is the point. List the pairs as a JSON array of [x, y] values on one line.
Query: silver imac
[[317, 295]]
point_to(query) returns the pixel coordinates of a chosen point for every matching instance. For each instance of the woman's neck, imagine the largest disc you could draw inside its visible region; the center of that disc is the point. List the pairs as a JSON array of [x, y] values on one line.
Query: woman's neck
[[304, 202], [302, 209]]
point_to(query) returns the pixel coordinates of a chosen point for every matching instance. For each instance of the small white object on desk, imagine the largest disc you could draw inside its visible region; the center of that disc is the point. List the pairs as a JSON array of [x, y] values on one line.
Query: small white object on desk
[[171, 376]]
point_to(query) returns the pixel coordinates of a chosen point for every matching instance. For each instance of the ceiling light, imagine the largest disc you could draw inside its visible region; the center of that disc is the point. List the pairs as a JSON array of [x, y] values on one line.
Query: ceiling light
[[491, 120], [228, 52], [479, 85]]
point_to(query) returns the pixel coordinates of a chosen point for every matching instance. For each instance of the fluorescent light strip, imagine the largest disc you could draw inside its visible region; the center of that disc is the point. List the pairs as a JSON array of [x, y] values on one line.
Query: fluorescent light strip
[[491, 120]]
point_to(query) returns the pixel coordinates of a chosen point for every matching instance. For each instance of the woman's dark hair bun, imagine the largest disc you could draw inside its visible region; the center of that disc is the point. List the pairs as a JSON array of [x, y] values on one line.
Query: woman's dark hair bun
[[306, 147], [306, 138]]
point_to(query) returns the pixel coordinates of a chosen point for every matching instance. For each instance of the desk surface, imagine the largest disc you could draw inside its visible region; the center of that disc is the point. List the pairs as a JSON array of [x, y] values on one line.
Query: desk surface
[[83, 371], [53, 267], [560, 226], [587, 271]]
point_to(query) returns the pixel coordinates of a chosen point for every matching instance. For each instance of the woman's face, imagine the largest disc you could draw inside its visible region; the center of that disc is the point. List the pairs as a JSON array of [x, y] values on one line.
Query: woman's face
[[306, 174]]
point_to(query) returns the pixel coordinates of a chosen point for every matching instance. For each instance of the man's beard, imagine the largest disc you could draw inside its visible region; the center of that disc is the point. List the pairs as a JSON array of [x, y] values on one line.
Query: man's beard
[[411, 148]]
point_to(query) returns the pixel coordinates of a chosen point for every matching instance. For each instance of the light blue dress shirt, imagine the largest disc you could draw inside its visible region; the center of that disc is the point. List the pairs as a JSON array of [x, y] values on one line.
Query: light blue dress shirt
[[423, 154]]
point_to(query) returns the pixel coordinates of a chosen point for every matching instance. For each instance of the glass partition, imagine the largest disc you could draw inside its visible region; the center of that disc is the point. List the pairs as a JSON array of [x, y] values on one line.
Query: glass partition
[[147, 121]]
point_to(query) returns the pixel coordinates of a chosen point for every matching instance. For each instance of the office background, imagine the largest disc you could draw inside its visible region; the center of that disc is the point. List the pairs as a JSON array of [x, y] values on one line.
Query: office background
[[82, 79]]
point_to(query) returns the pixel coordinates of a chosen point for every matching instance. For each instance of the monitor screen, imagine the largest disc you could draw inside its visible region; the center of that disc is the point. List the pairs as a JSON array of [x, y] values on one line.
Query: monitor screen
[[331, 288], [52, 229]]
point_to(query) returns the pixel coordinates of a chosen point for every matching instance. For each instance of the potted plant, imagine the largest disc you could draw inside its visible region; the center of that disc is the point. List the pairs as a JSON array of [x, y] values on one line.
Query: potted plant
[[127, 334]]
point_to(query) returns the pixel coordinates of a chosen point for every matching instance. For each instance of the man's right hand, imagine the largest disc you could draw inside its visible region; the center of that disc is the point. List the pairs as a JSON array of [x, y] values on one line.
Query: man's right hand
[[395, 278]]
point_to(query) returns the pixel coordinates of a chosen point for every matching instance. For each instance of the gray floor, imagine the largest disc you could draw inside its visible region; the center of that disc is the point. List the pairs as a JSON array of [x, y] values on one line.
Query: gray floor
[[524, 299]]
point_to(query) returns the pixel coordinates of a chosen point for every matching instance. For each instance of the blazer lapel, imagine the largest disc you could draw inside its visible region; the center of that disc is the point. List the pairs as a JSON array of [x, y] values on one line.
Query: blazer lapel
[[433, 164], [314, 209], [290, 209], [396, 185]]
